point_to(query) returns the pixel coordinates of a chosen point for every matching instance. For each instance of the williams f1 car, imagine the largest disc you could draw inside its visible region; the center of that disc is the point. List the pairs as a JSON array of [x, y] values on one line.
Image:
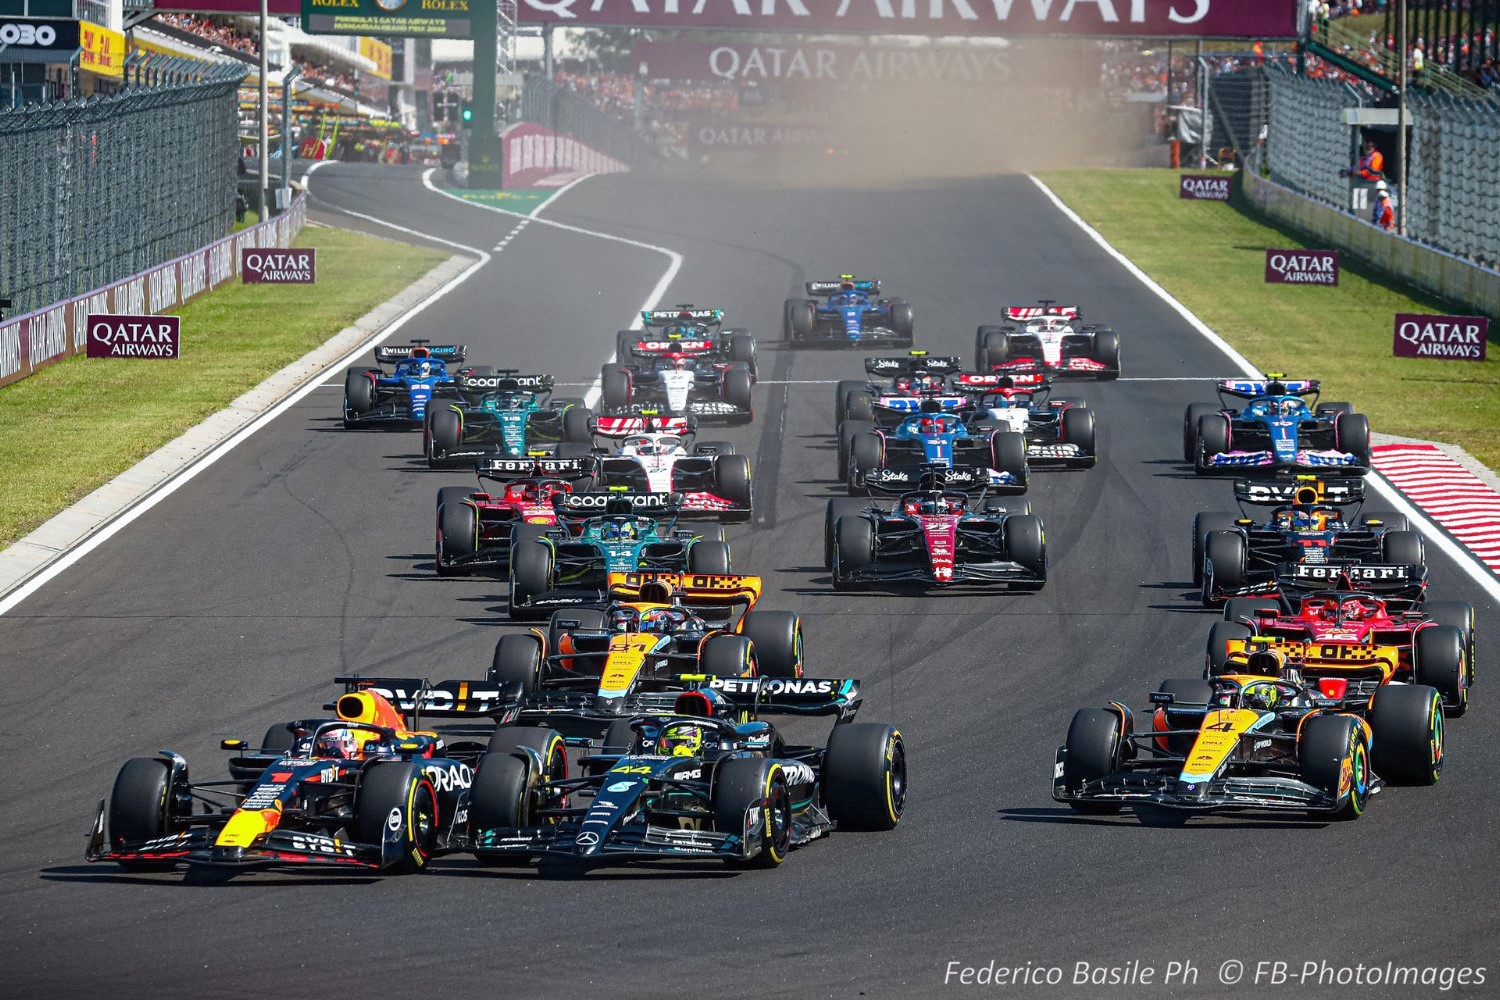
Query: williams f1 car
[[1276, 431], [850, 315], [1047, 338], [400, 397], [501, 414]]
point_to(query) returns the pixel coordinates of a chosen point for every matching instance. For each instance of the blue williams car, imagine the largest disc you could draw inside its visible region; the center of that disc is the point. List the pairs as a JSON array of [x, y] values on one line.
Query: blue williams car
[[850, 315], [374, 396], [891, 459], [1278, 430]]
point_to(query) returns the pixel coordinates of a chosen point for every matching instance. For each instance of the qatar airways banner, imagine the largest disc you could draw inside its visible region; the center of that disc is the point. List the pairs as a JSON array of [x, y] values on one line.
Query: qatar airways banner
[[682, 60], [1457, 338], [1083, 18]]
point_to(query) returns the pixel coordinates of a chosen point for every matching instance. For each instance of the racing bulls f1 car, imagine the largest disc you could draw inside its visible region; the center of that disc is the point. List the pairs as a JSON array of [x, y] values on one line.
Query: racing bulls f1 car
[[889, 459], [501, 414], [367, 790], [1047, 338], [400, 398], [1277, 431], [476, 528], [850, 316], [691, 330], [1259, 738], [662, 455]]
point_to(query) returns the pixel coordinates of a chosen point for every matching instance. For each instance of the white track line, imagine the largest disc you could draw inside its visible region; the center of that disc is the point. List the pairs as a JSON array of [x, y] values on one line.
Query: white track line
[[1465, 560]]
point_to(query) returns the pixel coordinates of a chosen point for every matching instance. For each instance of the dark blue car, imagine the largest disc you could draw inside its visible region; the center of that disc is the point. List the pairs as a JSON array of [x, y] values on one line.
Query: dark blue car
[[374, 396], [851, 314]]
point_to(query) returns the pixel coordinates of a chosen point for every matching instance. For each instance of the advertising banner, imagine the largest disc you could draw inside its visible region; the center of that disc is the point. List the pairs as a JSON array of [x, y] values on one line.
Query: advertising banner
[[1302, 267], [722, 135], [134, 336], [1204, 187], [410, 18], [37, 39], [534, 157], [684, 60], [1010, 18], [100, 50], [1455, 338], [379, 53], [274, 266]]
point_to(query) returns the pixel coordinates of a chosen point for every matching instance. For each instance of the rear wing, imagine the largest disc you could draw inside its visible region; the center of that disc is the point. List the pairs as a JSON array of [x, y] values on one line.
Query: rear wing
[[533, 468], [692, 590], [615, 502], [390, 354], [416, 696], [1366, 577], [1305, 491], [681, 314], [915, 363], [505, 381], [903, 480], [1025, 313], [671, 346], [819, 289], [1271, 385], [977, 383], [790, 695], [645, 423]]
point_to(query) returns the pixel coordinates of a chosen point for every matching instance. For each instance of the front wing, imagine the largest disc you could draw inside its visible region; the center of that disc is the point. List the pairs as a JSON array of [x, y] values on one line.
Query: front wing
[[1165, 791]]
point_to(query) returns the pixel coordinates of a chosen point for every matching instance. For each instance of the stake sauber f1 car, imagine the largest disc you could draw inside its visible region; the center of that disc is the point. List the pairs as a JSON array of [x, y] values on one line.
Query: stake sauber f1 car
[[1277, 431], [1047, 338], [851, 314]]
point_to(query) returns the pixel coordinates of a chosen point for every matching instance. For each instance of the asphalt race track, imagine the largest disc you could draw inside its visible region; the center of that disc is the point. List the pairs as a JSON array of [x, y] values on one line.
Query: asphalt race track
[[306, 553]]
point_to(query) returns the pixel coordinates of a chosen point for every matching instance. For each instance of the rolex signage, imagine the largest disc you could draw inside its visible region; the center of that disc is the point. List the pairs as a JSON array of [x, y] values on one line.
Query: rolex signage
[[403, 18]]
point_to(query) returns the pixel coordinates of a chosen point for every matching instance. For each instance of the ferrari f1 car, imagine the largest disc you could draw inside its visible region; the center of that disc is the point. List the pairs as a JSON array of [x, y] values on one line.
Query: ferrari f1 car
[[1355, 637], [1277, 430], [501, 414], [879, 459], [850, 315], [476, 528], [706, 779], [935, 536], [1260, 738], [663, 455], [367, 790], [400, 397], [1310, 525], [690, 329], [601, 534], [1047, 338]]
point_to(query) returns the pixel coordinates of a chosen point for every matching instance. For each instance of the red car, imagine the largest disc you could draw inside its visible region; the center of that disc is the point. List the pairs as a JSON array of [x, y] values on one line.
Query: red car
[[475, 528]]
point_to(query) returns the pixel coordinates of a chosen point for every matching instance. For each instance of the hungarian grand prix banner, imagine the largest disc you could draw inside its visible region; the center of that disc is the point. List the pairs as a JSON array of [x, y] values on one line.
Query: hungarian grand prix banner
[[1123, 18]]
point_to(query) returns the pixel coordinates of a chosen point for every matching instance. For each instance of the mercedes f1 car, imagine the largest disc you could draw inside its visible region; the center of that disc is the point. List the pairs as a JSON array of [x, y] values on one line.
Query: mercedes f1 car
[[400, 397], [851, 315], [476, 528], [1277, 431], [691, 330], [501, 414], [663, 455], [1047, 338], [935, 438], [1257, 739], [1310, 525]]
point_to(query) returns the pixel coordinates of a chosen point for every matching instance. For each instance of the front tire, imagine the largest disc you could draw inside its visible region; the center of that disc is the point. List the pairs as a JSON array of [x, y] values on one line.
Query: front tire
[[778, 641], [1327, 743], [1093, 746], [864, 776], [138, 806], [398, 797], [739, 785], [530, 576]]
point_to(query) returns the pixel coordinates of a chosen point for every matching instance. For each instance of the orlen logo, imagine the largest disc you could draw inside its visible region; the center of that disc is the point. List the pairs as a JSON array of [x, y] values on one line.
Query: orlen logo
[[28, 34]]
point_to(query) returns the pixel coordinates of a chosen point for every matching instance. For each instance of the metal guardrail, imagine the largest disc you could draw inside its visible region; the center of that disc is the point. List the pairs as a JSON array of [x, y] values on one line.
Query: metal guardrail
[[93, 190]]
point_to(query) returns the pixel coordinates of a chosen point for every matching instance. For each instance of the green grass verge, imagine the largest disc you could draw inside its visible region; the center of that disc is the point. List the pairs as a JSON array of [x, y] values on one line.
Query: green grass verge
[[75, 425], [1211, 257], [524, 202]]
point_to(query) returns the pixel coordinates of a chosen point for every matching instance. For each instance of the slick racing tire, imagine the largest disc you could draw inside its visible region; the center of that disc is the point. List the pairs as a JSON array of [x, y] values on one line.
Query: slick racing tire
[[991, 348], [709, 532], [1107, 353], [396, 796], [517, 660], [727, 656], [523, 533], [848, 431], [445, 433], [1459, 614], [548, 744], [499, 799], [865, 453], [619, 737], [457, 536], [1225, 558], [732, 482], [1213, 439], [1220, 634], [1026, 543], [777, 636], [1190, 427], [140, 805], [1403, 548], [576, 425], [1237, 608], [902, 320], [1187, 691], [1351, 433], [1093, 746], [1078, 427], [841, 395], [799, 319], [708, 557], [1407, 720], [1327, 742], [579, 620], [859, 405], [1203, 523], [614, 387], [359, 391], [853, 549], [1438, 662], [864, 776], [625, 341], [1008, 454], [530, 575], [838, 507], [742, 349], [741, 783], [737, 391]]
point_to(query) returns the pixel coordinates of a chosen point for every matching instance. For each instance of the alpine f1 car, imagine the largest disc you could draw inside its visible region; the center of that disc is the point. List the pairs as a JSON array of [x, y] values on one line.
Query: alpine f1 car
[[663, 455], [934, 438], [605, 533], [501, 414], [1310, 524], [1261, 738], [1277, 431], [400, 397], [935, 536], [367, 790], [706, 779], [1048, 338], [690, 329], [476, 528], [851, 315], [1356, 638]]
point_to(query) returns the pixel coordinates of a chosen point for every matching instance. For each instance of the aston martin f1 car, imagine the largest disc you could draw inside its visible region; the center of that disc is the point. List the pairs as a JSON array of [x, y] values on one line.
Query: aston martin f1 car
[[476, 528], [690, 329], [501, 414], [400, 397], [1310, 536], [706, 779], [663, 455], [1258, 739], [851, 315], [935, 438], [367, 790], [1356, 638], [1277, 431], [1047, 338], [605, 533]]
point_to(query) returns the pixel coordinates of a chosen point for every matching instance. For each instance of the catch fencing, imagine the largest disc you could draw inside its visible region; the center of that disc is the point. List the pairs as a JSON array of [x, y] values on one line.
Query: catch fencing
[[97, 189]]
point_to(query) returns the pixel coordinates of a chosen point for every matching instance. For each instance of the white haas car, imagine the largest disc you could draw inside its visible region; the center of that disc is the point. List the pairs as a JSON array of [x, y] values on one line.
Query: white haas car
[[657, 454], [1048, 338]]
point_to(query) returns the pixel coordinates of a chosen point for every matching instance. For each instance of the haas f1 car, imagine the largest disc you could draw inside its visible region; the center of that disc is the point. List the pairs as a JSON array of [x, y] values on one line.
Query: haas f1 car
[[401, 397], [501, 414], [1047, 338], [663, 455], [1276, 431], [851, 314]]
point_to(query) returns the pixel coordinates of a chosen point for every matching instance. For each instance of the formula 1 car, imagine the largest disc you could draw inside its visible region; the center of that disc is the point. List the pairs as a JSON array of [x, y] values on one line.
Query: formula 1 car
[[1257, 739], [373, 396], [1278, 431], [678, 384], [707, 779], [1047, 338], [914, 377], [367, 790], [691, 330], [504, 414], [850, 316], [614, 532], [929, 438], [663, 455], [1060, 433], [1357, 638], [476, 528], [935, 536], [1309, 525]]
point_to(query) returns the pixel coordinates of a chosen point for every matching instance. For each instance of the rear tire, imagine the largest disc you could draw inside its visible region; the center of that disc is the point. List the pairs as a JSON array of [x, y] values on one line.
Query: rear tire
[[575, 425], [742, 349], [1220, 634], [614, 388], [530, 575], [864, 776], [841, 395], [1241, 607], [1438, 662], [1403, 548], [994, 348], [726, 656], [860, 405], [708, 557]]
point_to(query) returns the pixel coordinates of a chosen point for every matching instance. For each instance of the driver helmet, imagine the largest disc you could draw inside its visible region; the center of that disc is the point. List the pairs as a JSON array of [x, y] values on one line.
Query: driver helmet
[[619, 531], [424, 370], [623, 619], [929, 383], [646, 446], [1265, 663], [677, 331], [930, 425], [1290, 407], [660, 619], [1264, 696], [1357, 609], [846, 285], [681, 739], [338, 743], [1303, 520], [678, 361]]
